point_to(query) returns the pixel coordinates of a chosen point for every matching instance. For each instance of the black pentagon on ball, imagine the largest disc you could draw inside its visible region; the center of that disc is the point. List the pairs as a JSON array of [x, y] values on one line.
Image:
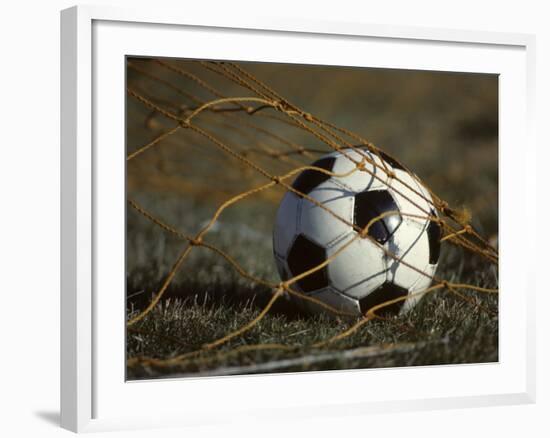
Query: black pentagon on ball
[[434, 239], [303, 256], [309, 178], [384, 293], [371, 204], [395, 164]]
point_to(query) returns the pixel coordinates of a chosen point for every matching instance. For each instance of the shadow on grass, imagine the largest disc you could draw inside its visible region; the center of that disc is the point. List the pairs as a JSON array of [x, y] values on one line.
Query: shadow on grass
[[228, 295]]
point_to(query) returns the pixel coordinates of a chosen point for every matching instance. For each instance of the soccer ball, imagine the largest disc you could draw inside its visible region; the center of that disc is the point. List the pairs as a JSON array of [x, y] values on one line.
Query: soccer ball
[[363, 274]]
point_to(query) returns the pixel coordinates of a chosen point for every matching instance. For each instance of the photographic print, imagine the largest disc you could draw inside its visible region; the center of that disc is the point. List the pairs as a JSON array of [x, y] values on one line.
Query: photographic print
[[296, 218]]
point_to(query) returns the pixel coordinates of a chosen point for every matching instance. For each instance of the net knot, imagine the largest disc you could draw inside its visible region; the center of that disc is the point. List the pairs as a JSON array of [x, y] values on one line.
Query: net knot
[[445, 209], [308, 117], [195, 242], [391, 174], [278, 105], [282, 105], [276, 179], [281, 287]]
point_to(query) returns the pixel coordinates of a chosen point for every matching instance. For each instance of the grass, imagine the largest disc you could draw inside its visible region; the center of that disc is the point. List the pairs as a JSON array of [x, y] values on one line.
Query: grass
[[443, 329], [208, 300], [443, 126]]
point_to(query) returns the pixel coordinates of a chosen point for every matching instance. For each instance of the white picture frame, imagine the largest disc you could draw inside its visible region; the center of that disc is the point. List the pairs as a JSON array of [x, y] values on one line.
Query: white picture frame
[[94, 395]]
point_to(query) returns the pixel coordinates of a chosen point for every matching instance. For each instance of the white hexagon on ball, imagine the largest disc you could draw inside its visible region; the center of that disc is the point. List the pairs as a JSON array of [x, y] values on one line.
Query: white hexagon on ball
[[319, 223], [347, 271], [286, 224]]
